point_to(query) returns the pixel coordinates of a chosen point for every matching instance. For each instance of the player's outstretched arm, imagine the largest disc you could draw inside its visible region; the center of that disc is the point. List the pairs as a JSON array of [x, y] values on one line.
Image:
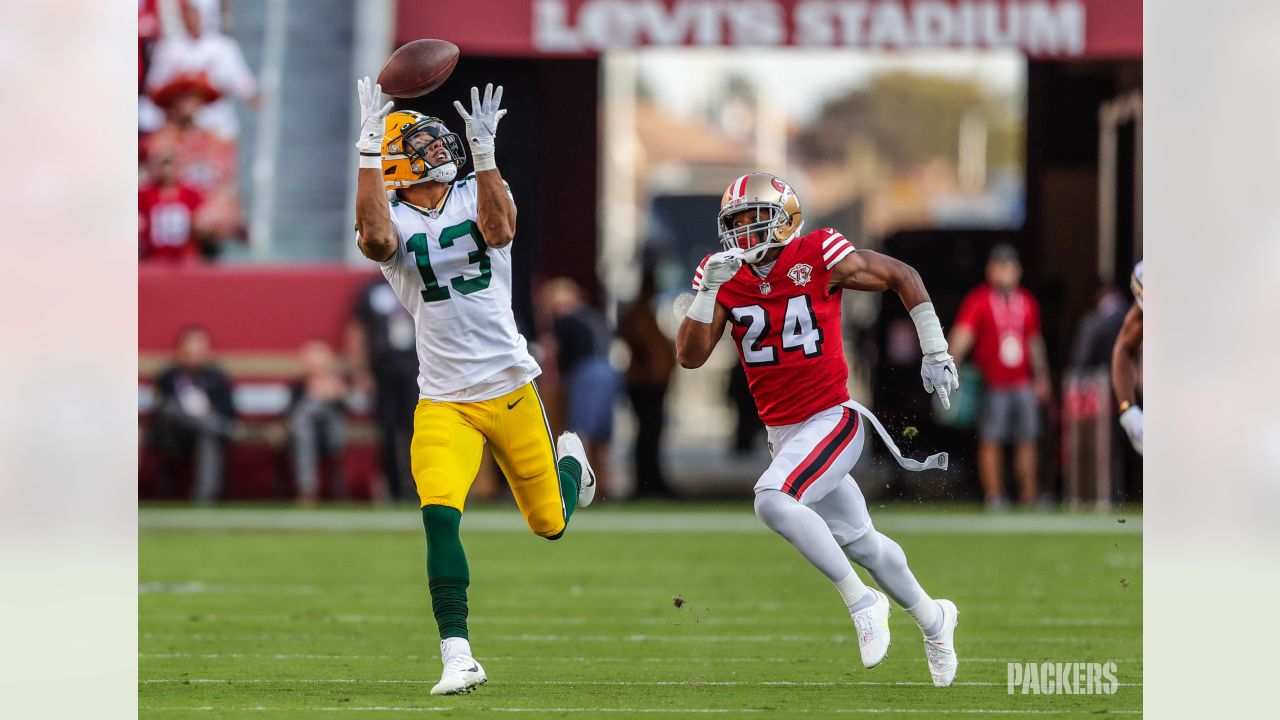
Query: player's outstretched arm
[[377, 239], [495, 211], [873, 272]]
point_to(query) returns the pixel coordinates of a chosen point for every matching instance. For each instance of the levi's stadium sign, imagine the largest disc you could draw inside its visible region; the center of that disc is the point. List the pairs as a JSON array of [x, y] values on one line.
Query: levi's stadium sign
[[1039, 28]]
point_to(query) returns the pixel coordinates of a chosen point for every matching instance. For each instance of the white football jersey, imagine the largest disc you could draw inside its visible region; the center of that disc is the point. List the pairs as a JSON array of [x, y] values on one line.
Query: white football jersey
[[458, 290]]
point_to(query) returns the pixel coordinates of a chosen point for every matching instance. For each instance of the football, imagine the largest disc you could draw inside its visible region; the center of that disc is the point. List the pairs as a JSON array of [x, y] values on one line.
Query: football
[[418, 67]]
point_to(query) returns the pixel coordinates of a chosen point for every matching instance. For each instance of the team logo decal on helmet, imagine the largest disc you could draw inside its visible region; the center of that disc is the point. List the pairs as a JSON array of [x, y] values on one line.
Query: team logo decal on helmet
[[800, 274], [777, 219], [411, 150]]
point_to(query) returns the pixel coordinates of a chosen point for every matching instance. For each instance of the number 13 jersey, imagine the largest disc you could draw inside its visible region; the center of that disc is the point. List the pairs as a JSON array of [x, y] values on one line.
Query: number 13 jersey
[[458, 290], [786, 327]]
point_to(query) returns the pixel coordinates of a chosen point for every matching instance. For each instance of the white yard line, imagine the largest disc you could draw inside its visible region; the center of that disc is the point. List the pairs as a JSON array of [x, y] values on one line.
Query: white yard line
[[574, 683], [646, 521], [834, 622], [660, 711], [636, 638], [558, 658]]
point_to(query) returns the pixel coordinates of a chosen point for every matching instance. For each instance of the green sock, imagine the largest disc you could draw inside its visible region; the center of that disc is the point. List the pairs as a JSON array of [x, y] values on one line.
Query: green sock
[[447, 572], [570, 475]]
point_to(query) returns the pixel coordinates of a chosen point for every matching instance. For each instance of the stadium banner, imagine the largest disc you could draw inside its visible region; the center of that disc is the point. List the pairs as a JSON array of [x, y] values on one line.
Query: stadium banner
[[1087, 29]]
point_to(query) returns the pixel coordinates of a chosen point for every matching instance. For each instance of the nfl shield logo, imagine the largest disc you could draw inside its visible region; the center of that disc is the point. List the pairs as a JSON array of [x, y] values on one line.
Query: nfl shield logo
[[765, 288], [800, 274]]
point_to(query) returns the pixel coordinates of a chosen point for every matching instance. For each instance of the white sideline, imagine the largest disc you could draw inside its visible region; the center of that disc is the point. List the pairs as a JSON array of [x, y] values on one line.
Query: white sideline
[[642, 521]]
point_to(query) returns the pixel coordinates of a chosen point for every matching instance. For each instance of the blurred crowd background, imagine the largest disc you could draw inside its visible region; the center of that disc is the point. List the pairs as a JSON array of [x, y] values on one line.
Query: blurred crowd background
[[995, 146]]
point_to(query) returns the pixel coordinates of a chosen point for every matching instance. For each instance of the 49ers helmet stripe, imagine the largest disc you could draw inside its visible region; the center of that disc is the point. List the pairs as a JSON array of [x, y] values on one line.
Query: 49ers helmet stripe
[[777, 215]]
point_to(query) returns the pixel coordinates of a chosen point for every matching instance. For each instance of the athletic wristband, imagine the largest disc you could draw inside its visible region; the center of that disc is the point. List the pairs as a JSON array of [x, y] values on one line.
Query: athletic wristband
[[703, 307], [370, 162], [932, 340], [484, 162]]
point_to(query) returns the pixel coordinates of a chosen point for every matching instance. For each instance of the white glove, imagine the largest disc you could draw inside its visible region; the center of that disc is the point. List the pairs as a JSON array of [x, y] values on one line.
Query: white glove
[[938, 371], [718, 269], [372, 120], [482, 124], [1131, 421]]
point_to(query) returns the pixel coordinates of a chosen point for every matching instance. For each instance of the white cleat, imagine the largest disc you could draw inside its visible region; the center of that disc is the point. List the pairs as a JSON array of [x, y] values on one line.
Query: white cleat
[[872, 626], [569, 445], [940, 649], [462, 673]]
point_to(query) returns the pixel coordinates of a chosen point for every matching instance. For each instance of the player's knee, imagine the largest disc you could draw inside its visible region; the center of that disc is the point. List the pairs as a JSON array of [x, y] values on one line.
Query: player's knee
[[770, 505], [865, 550], [547, 523], [441, 520]]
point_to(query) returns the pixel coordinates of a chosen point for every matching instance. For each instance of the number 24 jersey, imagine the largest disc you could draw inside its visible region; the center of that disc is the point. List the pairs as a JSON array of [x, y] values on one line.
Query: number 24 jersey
[[786, 327]]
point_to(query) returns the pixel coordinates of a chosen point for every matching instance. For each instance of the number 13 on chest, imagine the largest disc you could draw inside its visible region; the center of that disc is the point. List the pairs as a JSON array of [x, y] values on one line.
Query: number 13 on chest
[[433, 291]]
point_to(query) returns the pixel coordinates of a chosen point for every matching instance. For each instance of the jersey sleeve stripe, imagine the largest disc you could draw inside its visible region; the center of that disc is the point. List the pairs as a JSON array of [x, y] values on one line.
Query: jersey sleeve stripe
[[835, 249], [840, 256], [834, 237]]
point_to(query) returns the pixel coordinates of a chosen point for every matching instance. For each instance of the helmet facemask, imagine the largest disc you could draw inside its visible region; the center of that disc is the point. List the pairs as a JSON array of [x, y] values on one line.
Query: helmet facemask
[[756, 238], [421, 144]]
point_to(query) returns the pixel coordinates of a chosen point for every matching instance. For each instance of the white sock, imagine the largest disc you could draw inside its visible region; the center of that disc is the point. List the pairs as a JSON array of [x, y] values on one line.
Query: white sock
[[854, 592], [454, 647], [927, 615]]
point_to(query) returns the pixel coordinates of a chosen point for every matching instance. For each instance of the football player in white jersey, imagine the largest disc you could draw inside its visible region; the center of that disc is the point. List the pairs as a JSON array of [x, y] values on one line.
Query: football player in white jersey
[[444, 245], [1126, 364]]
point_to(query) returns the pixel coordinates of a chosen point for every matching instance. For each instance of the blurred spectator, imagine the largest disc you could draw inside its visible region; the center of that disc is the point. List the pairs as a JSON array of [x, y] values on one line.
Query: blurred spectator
[[166, 213], [202, 51], [148, 33], [653, 358], [382, 353], [590, 382], [194, 415], [205, 162], [317, 422], [1096, 335], [999, 321]]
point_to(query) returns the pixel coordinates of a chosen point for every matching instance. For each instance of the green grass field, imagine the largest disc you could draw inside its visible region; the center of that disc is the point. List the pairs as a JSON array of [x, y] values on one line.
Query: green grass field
[[283, 613]]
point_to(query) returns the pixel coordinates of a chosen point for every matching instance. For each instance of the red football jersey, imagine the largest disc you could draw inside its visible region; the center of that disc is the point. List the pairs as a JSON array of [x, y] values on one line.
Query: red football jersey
[[787, 329], [166, 222]]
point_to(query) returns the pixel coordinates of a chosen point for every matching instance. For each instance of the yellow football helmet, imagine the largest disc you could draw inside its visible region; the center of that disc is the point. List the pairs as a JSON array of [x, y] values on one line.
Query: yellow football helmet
[[408, 137], [777, 220]]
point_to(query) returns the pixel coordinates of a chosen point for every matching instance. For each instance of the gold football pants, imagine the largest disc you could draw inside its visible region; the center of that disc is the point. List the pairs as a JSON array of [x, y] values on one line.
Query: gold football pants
[[449, 437]]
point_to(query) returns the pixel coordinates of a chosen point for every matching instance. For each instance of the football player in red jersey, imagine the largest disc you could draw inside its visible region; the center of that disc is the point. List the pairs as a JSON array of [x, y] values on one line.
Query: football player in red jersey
[[780, 291]]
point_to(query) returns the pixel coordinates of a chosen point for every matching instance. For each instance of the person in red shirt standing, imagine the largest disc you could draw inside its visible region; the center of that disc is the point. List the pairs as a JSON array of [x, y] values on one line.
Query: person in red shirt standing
[[166, 214], [778, 291], [999, 323]]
